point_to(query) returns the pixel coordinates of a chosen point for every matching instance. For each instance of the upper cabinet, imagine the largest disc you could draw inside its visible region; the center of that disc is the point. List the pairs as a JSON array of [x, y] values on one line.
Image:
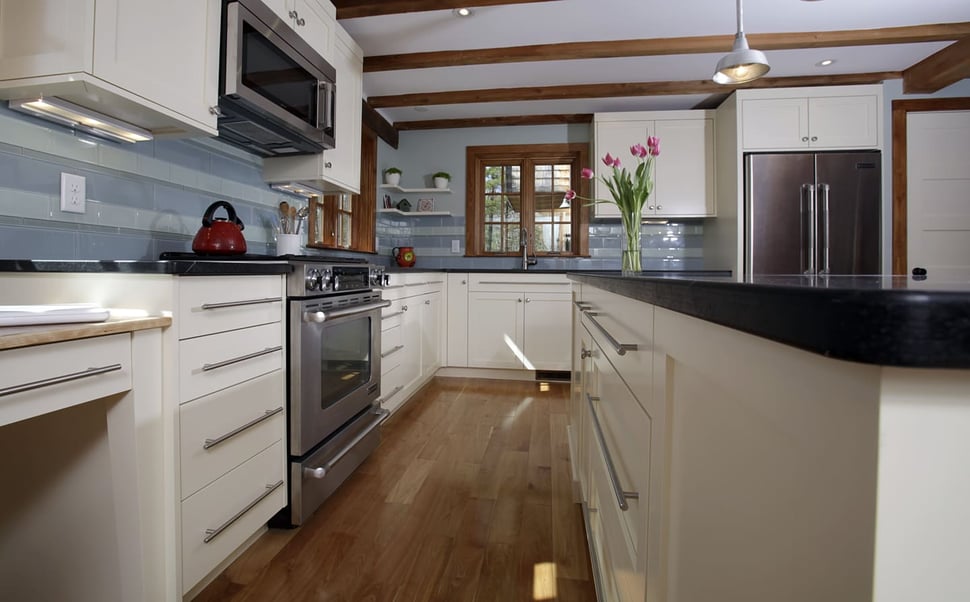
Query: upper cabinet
[[684, 171], [314, 20], [155, 64], [337, 169], [811, 118]]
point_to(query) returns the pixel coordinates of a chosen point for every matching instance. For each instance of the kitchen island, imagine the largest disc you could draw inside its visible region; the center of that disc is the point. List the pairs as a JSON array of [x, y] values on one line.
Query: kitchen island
[[785, 439]]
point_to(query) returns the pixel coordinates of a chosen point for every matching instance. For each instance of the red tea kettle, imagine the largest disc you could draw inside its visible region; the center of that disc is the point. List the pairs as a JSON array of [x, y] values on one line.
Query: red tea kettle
[[220, 236], [404, 256]]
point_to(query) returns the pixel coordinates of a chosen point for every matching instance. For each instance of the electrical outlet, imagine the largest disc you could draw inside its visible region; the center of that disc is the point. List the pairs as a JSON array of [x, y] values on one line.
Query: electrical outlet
[[73, 193], [456, 246]]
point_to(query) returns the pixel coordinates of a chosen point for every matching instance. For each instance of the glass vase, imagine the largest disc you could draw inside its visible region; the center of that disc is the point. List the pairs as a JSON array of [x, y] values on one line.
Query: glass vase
[[630, 249]]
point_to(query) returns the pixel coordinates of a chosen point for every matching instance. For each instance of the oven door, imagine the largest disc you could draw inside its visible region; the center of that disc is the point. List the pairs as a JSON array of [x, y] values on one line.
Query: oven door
[[274, 73], [335, 364]]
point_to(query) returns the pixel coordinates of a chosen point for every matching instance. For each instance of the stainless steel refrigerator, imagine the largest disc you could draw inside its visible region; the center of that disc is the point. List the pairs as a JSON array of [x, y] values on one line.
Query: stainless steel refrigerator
[[812, 213]]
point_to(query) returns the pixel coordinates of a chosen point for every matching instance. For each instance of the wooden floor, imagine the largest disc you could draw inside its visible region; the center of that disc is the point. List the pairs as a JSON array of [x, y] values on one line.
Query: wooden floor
[[469, 497]]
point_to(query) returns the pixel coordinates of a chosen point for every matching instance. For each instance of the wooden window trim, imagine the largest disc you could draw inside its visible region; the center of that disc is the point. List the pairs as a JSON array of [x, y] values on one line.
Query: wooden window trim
[[475, 159]]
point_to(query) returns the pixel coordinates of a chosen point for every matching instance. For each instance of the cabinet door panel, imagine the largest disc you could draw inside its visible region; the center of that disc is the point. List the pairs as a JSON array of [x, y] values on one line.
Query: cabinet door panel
[[215, 362], [844, 122], [430, 308], [163, 51], [545, 341], [494, 330], [616, 138], [774, 123], [685, 168], [45, 37]]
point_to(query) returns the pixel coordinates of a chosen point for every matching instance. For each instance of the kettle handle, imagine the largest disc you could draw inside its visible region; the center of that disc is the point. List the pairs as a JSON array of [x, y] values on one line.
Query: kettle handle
[[395, 250], [230, 211]]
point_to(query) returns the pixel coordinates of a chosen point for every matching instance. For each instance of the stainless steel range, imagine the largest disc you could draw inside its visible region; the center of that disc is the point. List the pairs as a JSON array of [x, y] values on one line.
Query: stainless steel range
[[334, 315]]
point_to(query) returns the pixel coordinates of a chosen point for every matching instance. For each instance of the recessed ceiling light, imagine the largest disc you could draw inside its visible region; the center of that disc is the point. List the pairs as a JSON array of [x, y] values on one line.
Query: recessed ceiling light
[[824, 63], [462, 12]]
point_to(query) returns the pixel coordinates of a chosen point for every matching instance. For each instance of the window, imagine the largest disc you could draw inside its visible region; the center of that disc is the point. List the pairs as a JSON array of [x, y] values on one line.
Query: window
[[347, 221], [517, 192]]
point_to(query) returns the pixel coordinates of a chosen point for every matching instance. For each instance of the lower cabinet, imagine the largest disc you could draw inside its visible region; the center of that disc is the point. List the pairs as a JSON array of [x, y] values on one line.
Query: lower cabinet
[[516, 321], [412, 335]]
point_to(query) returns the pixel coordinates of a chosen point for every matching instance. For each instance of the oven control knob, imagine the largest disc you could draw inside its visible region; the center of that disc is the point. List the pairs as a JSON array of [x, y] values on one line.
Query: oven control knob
[[336, 283], [327, 280], [313, 278]]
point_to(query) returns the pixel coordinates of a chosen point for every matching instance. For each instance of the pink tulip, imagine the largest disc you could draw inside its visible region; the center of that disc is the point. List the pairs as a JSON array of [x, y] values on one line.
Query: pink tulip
[[587, 173], [608, 160], [653, 144], [637, 150], [570, 195], [616, 161]]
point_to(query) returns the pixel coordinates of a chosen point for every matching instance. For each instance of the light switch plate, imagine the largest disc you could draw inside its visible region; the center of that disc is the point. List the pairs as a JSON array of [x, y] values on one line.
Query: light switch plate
[[456, 246], [73, 193]]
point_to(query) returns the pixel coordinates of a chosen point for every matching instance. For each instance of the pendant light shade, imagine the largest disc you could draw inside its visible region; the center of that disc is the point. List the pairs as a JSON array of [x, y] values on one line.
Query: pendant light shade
[[742, 64]]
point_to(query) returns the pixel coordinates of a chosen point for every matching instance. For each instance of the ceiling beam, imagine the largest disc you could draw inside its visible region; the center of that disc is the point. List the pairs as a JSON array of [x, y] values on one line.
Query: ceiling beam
[[352, 9], [574, 91], [939, 70], [477, 122], [380, 126], [942, 32]]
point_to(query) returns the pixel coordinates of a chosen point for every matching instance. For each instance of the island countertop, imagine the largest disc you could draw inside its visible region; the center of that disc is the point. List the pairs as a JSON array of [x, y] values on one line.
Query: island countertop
[[883, 320]]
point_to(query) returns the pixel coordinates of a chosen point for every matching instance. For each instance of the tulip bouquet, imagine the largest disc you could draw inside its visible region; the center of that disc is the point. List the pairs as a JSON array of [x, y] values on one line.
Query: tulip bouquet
[[630, 191]]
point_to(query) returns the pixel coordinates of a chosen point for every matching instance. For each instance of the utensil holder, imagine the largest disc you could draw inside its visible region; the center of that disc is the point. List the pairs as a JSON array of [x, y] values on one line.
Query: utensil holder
[[289, 244]]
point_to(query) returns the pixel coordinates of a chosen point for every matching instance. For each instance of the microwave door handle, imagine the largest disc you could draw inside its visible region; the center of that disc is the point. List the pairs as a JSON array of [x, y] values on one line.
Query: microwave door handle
[[325, 105]]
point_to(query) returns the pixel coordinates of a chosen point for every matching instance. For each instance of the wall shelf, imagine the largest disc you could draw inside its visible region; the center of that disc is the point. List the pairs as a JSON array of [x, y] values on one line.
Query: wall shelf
[[413, 213], [411, 190]]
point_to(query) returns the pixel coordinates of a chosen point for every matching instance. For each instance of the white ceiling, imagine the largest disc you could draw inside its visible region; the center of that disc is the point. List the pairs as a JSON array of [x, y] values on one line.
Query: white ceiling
[[600, 20]]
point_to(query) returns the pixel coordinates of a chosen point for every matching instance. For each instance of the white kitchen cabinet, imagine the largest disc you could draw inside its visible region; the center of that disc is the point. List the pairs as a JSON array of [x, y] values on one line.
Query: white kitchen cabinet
[[457, 321], [516, 321], [684, 170], [152, 64], [412, 336], [815, 118], [337, 169], [314, 20]]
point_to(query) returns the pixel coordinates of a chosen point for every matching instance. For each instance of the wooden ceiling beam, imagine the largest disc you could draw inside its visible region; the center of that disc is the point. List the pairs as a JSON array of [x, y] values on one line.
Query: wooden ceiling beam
[[574, 91], [477, 122], [380, 126], [939, 70], [941, 32], [352, 9]]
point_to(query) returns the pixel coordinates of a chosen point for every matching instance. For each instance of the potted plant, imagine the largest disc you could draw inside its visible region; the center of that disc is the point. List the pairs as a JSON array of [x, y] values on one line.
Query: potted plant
[[392, 176], [441, 179]]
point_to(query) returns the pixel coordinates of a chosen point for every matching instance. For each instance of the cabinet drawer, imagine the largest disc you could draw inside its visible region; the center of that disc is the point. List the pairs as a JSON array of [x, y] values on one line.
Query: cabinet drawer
[[392, 386], [46, 378], [519, 283], [238, 504], [222, 430], [207, 364], [628, 322], [393, 314], [392, 348], [220, 303]]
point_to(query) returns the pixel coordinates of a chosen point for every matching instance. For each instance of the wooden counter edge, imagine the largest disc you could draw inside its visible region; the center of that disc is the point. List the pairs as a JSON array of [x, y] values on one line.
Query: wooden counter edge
[[13, 337]]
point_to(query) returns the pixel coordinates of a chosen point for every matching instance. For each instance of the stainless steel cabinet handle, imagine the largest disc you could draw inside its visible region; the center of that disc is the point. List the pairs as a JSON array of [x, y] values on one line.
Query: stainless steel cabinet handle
[[519, 300], [814, 138], [392, 351], [241, 358], [582, 305], [464, 282], [56, 380], [211, 534], [620, 348], [404, 308], [660, 207], [323, 316], [528, 299], [427, 301], [240, 303], [397, 313], [293, 14], [621, 496], [804, 138], [209, 443], [585, 353], [321, 471], [650, 207], [301, 21], [387, 288], [393, 392], [328, 164], [215, 110]]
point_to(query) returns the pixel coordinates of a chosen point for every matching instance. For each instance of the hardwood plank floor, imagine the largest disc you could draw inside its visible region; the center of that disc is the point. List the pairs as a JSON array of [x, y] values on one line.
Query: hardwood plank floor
[[468, 497]]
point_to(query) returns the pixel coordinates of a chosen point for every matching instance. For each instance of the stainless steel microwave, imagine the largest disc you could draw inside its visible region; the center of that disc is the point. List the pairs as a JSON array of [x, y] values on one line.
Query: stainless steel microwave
[[277, 95]]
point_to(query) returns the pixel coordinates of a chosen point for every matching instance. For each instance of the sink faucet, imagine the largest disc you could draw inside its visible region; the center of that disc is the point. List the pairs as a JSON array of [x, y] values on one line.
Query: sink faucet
[[524, 244]]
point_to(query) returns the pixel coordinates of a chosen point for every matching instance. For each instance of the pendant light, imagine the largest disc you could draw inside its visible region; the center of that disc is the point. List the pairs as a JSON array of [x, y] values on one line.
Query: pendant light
[[742, 64]]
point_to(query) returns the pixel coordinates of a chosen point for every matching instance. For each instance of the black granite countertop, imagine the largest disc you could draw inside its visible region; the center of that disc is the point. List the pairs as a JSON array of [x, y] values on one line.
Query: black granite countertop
[[180, 267], [884, 320]]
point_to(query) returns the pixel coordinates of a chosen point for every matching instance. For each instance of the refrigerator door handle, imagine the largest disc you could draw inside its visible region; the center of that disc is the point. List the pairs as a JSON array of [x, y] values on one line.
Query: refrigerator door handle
[[809, 210], [823, 193]]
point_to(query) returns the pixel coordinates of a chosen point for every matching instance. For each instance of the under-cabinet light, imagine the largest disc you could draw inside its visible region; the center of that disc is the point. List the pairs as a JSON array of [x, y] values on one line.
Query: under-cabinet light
[[301, 190], [67, 113]]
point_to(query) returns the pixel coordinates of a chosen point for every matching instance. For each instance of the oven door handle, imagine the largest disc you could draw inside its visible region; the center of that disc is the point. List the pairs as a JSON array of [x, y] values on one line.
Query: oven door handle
[[323, 316], [321, 471]]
